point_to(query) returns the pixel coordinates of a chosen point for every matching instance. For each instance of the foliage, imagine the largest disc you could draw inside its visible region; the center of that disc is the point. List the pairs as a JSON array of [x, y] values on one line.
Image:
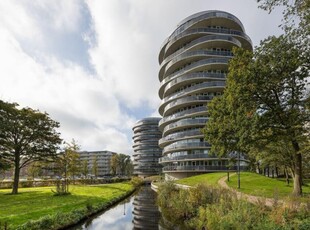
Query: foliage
[[67, 164], [32, 204], [136, 181], [34, 169], [208, 207], [263, 104], [62, 188], [26, 136], [121, 164], [84, 168], [95, 166]]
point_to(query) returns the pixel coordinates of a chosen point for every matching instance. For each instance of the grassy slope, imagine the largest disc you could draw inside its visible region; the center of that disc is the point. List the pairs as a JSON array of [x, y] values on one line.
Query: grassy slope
[[34, 203], [251, 183], [258, 185], [208, 178]]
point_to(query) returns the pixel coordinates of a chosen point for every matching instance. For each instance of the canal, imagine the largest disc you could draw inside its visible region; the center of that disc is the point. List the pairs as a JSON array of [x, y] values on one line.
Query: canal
[[136, 212]]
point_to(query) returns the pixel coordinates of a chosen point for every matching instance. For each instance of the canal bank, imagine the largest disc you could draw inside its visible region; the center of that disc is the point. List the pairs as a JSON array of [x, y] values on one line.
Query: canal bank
[[139, 211]]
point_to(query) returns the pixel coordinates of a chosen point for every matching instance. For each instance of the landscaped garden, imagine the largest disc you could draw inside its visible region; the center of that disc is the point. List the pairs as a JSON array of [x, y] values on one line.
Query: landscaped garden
[[32, 204], [209, 206], [259, 185], [251, 183], [208, 178]]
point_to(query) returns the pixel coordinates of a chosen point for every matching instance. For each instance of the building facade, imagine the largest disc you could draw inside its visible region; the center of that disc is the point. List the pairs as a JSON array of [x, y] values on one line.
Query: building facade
[[145, 146], [102, 159], [193, 68]]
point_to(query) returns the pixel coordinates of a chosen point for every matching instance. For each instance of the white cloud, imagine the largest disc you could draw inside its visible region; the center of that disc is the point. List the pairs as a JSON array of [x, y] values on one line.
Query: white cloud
[[98, 109]]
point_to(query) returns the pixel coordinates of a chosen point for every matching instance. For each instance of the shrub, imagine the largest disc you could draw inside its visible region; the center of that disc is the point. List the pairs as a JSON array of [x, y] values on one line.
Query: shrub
[[136, 181]]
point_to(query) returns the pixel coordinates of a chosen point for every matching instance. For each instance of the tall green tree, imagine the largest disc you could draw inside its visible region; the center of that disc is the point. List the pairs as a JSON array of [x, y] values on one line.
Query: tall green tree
[[264, 102], [68, 162], [84, 168], [35, 169], [120, 164], [95, 166], [26, 136], [295, 22]]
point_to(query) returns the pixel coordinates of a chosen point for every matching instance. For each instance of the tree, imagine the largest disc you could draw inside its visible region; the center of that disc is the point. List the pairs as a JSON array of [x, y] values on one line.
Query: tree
[[68, 163], [34, 169], [120, 164], [85, 168], [295, 22], [264, 102], [26, 136], [95, 166], [114, 164]]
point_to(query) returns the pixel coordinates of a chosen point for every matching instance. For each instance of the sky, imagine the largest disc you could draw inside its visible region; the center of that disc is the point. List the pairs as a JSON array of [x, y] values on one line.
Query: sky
[[92, 65]]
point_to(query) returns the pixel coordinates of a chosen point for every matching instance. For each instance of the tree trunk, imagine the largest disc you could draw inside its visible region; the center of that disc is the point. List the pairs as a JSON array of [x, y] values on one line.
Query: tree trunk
[[286, 176], [297, 191], [16, 174]]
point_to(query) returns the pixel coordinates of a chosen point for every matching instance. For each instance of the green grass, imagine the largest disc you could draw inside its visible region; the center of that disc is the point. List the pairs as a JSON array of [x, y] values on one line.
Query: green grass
[[34, 203], [259, 185], [208, 178]]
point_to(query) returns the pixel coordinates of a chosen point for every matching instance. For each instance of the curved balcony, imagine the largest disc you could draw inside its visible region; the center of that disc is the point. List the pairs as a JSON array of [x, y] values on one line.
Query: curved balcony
[[201, 168], [188, 157], [180, 115], [192, 56], [196, 66], [192, 78], [197, 88], [243, 38], [226, 19], [202, 40], [185, 146], [200, 63], [184, 123], [182, 102], [179, 136]]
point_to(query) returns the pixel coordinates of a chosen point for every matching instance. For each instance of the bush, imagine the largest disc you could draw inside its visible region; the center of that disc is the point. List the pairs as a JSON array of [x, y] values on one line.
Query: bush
[[217, 208], [136, 181]]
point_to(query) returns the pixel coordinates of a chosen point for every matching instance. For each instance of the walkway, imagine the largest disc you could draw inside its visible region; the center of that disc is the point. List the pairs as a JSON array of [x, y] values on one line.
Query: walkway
[[252, 199]]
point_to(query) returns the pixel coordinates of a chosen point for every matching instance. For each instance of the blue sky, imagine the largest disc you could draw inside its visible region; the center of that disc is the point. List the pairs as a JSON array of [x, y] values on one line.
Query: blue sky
[[92, 65]]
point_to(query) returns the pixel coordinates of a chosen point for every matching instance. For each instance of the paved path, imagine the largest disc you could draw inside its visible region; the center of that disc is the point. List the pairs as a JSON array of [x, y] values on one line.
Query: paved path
[[253, 199]]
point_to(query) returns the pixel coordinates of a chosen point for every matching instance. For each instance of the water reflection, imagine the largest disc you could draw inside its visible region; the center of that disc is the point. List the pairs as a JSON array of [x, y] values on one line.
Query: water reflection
[[137, 212], [145, 210]]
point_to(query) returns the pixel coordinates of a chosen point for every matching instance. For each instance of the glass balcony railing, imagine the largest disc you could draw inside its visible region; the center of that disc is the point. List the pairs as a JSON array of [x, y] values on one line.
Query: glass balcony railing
[[204, 168], [186, 122], [178, 146], [194, 65], [195, 87], [191, 76], [185, 157], [197, 53], [182, 114], [175, 136], [186, 100], [199, 41]]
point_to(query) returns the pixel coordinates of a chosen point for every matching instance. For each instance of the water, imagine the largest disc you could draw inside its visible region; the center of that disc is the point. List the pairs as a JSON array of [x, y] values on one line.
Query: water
[[136, 212]]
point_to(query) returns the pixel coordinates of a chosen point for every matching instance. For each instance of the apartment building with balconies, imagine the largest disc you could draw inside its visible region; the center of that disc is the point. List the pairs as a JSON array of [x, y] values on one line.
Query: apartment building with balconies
[[193, 68], [146, 149]]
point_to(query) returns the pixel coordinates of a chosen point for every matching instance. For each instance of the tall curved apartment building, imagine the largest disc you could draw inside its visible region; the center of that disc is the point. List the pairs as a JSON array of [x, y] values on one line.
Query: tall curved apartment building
[[146, 149], [193, 68]]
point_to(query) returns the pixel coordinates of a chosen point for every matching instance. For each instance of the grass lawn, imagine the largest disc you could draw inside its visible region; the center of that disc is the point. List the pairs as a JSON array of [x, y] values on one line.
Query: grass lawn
[[259, 185], [34, 203], [208, 178]]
